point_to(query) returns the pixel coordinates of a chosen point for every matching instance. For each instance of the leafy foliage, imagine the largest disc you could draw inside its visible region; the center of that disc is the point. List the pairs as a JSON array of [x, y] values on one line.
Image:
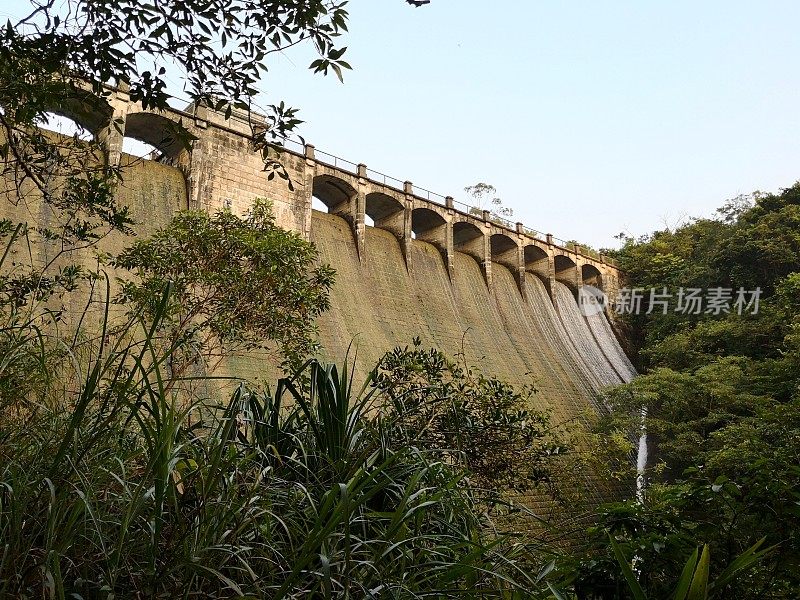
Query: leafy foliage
[[485, 198], [471, 419], [722, 396], [61, 58], [137, 490], [238, 283]]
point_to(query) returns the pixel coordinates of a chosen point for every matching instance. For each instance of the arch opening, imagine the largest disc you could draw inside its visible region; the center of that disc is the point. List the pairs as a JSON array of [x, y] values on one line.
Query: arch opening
[[65, 126], [591, 275], [91, 113], [566, 271], [469, 239], [379, 206], [429, 226], [154, 136], [318, 205], [384, 212], [334, 193], [536, 260], [139, 149], [465, 232], [505, 251]]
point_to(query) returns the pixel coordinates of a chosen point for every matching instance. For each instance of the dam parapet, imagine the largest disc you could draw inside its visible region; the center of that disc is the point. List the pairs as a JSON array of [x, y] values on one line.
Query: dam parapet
[[224, 169]]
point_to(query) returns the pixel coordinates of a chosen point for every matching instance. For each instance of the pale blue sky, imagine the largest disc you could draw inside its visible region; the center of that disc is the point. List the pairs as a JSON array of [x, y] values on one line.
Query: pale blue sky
[[589, 117]]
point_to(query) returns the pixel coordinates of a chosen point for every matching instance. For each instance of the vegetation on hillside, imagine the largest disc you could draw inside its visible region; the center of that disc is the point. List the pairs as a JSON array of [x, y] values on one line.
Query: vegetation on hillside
[[124, 474], [722, 393], [117, 482], [236, 284]]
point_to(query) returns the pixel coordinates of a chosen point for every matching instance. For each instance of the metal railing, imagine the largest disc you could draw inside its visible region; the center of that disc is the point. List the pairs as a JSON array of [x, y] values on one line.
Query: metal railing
[[498, 220], [463, 207], [300, 146], [336, 161], [563, 243], [420, 192], [539, 235], [383, 178]]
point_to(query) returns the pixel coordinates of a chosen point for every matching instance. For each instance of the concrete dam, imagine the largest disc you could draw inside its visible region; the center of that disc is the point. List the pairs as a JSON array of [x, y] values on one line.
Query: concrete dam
[[464, 281], [379, 304]]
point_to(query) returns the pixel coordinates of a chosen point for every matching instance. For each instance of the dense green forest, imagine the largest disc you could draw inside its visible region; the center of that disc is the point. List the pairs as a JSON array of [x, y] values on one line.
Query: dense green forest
[[722, 393]]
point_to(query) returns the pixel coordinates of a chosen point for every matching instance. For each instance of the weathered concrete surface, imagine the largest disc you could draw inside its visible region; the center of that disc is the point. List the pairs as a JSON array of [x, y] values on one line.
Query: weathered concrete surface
[[378, 304]]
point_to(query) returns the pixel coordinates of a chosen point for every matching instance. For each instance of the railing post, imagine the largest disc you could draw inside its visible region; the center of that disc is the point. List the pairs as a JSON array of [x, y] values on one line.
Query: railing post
[[360, 210], [309, 151], [408, 211]]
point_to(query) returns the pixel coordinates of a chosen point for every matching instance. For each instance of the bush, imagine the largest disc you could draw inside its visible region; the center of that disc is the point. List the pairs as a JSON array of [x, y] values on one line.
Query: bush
[[124, 487]]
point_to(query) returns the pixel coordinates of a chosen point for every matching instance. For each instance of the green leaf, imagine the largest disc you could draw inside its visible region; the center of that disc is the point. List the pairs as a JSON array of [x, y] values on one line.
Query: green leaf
[[686, 577], [744, 561], [630, 577], [699, 588]]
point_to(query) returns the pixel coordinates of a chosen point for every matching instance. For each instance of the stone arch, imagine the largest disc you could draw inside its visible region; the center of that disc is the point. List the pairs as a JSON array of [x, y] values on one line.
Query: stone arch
[[504, 251], [566, 271], [469, 239], [333, 192], [386, 212], [536, 261], [85, 108], [591, 275], [379, 206], [428, 225], [162, 133]]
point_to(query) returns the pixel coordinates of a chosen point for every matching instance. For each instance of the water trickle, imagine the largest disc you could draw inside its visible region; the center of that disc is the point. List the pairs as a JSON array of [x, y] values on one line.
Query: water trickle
[[581, 336], [605, 338]]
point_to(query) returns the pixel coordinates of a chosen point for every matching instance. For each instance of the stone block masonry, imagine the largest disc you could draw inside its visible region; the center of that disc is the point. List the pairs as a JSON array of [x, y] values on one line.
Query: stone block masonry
[[223, 170]]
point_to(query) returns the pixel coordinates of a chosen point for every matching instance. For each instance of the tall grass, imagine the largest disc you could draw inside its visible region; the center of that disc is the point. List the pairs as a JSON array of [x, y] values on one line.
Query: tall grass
[[122, 484]]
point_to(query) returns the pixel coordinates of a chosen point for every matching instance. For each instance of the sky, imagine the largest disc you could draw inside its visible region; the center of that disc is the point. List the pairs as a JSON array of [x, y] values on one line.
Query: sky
[[590, 118]]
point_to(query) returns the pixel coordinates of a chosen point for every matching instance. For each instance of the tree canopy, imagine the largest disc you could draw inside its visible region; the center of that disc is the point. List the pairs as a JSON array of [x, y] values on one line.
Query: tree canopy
[[722, 393]]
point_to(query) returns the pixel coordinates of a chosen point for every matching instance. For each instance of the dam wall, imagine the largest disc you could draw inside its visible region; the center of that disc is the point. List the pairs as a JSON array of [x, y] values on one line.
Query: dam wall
[[463, 280], [378, 304]]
